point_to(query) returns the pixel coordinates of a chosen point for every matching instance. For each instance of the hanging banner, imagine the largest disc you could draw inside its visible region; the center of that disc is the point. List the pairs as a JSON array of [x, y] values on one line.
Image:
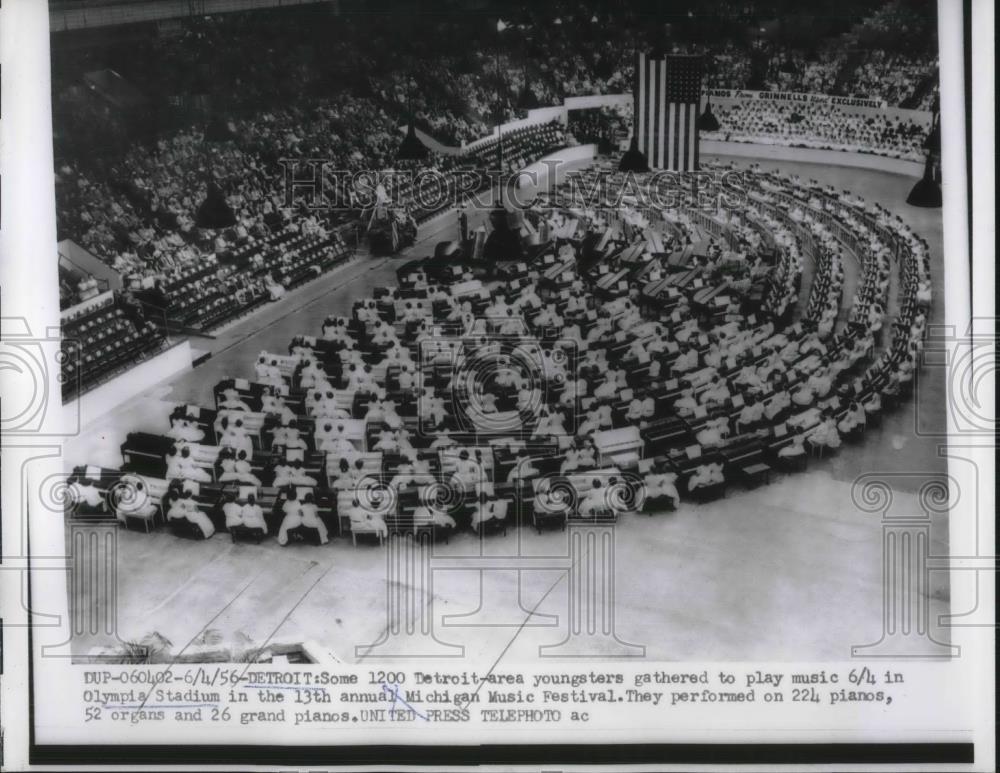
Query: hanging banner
[[795, 96]]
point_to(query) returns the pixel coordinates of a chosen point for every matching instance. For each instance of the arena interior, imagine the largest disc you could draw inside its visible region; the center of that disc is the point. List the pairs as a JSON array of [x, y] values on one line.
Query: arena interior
[[282, 386]]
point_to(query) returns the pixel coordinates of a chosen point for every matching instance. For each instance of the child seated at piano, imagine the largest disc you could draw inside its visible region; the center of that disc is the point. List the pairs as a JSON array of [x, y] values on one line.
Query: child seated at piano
[[432, 515], [342, 478], [825, 435], [716, 393], [252, 518], [686, 404], [183, 507], [304, 513], [641, 409], [288, 436], [595, 501], [184, 428], [388, 442], [232, 401], [820, 382], [686, 361], [853, 418], [714, 433], [366, 520], [85, 497], [750, 415], [803, 395], [486, 510], [234, 434], [181, 465], [232, 511], [661, 485], [132, 498], [524, 470], [794, 450], [706, 475], [749, 378], [235, 466]]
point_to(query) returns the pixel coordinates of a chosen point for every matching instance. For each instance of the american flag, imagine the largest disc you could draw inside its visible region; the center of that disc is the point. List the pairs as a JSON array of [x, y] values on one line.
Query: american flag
[[667, 93]]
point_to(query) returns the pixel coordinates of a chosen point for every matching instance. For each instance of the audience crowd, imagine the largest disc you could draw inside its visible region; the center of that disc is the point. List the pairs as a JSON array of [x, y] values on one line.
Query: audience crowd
[[820, 126]]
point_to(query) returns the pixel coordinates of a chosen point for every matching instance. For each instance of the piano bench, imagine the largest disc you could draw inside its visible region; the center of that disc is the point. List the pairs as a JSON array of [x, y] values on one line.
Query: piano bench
[[378, 538], [304, 534], [659, 504], [182, 527], [755, 474], [797, 463], [493, 526], [546, 520], [148, 524], [854, 435], [598, 516], [246, 533], [708, 493]]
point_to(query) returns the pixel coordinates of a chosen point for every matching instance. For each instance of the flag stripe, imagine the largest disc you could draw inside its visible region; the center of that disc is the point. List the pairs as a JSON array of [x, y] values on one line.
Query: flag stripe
[[651, 110], [663, 106], [692, 135], [640, 113]]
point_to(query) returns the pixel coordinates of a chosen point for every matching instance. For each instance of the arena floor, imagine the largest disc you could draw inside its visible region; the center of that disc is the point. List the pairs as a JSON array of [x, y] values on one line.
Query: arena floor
[[790, 571]]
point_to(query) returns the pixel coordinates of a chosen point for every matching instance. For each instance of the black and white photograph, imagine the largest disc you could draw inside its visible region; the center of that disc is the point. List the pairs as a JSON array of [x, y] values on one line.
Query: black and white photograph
[[475, 353]]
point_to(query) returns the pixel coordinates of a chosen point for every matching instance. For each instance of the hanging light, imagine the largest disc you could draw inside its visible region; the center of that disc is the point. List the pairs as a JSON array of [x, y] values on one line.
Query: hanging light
[[411, 148], [707, 122], [527, 100], [214, 212], [633, 160], [926, 193], [503, 242]]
